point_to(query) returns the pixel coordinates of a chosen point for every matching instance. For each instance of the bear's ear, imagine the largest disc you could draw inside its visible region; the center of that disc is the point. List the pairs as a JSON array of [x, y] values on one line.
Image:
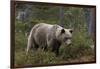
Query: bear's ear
[[70, 30], [62, 31]]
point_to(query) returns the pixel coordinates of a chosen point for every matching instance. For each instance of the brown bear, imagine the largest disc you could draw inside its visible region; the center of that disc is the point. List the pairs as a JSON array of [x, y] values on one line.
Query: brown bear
[[48, 36]]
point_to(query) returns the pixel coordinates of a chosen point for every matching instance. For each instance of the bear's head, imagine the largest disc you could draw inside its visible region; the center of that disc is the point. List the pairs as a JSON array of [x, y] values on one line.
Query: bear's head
[[64, 35]]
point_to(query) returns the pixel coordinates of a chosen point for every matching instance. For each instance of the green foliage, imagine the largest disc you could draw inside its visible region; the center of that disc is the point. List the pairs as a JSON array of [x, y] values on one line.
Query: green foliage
[[20, 41], [80, 46], [38, 57], [20, 58], [41, 57], [19, 26]]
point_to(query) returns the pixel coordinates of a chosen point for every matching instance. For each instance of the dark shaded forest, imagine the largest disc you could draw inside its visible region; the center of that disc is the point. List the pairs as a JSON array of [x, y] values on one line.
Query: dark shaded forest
[[80, 19]]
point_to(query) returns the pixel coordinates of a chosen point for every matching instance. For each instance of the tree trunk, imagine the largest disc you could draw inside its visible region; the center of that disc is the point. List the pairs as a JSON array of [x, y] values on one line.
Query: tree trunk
[[61, 16], [91, 22]]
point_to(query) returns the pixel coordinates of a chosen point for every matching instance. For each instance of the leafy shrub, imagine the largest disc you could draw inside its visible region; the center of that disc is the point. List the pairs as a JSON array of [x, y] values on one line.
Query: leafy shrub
[[35, 58], [42, 57], [20, 41], [80, 47], [20, 58]]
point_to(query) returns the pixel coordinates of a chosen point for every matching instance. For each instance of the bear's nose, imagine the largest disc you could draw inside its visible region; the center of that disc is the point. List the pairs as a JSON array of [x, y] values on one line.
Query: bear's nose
[[68, 42]]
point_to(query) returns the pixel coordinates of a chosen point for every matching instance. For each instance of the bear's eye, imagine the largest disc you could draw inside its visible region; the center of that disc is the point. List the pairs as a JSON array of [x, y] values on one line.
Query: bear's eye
[[70, 30]]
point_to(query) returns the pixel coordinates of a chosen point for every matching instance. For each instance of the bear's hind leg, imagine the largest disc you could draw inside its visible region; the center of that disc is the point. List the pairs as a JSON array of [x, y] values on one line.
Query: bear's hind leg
[[31, 45]]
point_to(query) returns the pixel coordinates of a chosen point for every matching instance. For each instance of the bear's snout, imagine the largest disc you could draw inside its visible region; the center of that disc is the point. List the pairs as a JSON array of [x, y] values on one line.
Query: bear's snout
[[68, 42]]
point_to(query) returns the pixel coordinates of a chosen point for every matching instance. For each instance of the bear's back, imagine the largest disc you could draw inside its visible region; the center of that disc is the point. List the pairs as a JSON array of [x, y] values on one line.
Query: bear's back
[[40, 33]]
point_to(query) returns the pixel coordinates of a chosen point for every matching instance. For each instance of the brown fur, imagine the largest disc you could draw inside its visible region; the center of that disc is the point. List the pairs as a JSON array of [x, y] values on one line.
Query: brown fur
[[44, 36]]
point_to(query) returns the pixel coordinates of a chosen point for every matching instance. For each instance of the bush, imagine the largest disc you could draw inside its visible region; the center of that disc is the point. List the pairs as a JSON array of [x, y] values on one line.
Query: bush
[[20, 41], [20, 58], [80, 46], [35, 58]]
